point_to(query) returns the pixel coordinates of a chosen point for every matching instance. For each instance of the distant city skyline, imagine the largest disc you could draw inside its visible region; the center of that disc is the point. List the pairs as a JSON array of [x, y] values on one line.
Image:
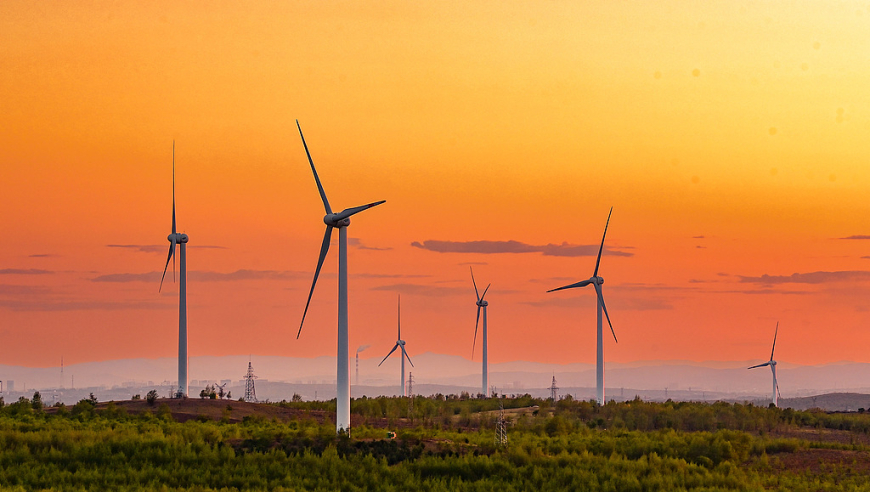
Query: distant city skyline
[[728, 138]]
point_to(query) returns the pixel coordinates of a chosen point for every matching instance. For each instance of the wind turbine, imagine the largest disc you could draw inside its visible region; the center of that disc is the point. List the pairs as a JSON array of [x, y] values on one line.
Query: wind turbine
[[481, 304], [772, 364], [597, 282], [179, 239], [338, 221], [400, 344]]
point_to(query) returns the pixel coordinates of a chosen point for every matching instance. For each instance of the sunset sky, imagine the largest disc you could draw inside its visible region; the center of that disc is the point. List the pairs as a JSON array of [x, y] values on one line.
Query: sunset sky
[[730, 138]]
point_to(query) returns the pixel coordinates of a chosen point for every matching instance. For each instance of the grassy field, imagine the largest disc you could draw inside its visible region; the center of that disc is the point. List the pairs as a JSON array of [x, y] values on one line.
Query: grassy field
[[442, 443]]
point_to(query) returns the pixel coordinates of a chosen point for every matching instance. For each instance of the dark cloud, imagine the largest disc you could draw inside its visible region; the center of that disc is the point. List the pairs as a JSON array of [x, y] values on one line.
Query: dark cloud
[[423, 290], [761, 292], [200, 276], [24, 271], [496, 247], [701, 247], [865, 257], [45, 255], [855, 237], [809, 278], [699, 237]]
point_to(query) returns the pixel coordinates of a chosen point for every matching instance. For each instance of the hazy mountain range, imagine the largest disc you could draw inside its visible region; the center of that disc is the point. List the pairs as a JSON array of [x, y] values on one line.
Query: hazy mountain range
[[280, 377]]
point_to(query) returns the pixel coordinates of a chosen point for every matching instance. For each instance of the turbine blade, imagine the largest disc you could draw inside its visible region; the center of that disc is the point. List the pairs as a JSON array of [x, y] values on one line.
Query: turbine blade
[[355, 210], [407, 356], [400, 317], [774, 340], [475, 332], [584, 283], [391, 353], [173, 187], [474, 283], [604, 307], [759, 365], [323, 249], [171, 250], [484, 292], [601, 248], [316, 178]]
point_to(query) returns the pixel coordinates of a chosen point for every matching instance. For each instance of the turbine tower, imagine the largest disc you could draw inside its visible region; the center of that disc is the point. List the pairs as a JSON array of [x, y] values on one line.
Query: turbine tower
[[597, 282], [481, 304], [338, 221], [404, 355], [181, 240], [772, 363]]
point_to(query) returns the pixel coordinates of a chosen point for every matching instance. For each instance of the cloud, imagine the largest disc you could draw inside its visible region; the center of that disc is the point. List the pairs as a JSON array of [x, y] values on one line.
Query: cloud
[[855, 237], [496, 247], [158, 248], [21, 290], [142, 248], [204, 276], [423, 290], [23, 271], [61, 305], [809, 278], [385, 275], [43, 255], [355, 242], [699, 237], [615, 305]]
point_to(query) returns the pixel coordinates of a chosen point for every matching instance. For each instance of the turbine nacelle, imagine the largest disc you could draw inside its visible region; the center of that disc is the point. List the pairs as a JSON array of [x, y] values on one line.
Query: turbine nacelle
[[336, 220], [400, 342], [177, 238], [482, 303], [772, 363], [597, 280]]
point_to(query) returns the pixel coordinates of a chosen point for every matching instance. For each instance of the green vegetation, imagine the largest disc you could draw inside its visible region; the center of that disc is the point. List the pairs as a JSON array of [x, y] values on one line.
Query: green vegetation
[[442, 443]]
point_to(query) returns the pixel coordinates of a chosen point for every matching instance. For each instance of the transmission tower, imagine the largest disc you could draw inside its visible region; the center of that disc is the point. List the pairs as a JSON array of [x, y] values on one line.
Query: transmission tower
[[411, 395], [553, 389], [250, 391], [501, 426]]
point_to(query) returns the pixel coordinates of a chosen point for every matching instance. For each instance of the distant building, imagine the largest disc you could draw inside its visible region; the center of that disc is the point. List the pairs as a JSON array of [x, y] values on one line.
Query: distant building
[[10, 385]]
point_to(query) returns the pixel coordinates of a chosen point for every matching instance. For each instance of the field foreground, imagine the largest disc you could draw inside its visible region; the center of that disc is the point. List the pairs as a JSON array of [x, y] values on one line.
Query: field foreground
[[442, 443]]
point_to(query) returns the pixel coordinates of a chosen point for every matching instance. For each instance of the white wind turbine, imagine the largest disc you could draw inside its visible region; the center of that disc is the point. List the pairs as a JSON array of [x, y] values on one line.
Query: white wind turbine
[[772, 364], [481, 304], [340, 221], [597, 282], [179, 239], [400, 344]]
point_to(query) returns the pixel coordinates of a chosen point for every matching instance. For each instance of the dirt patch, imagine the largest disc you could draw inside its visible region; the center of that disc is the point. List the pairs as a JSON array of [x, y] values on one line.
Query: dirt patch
[[816, 461]]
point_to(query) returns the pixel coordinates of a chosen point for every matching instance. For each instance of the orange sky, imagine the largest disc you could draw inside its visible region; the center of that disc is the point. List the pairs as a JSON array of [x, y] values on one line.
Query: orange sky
[[729, 138]]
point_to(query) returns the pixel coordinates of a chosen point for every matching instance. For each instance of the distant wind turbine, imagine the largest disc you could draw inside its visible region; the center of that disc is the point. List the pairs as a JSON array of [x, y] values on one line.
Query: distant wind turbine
[[772, 363], [597, 282], [179, 239], [400, 344], [340, 221], [358, 350], [481, 304]]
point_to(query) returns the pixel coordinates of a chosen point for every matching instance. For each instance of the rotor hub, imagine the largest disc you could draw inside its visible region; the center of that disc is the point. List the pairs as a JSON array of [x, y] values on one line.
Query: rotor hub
[[401, 342], [334, 221], [597, 280], [177, 238], [483, 303]]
